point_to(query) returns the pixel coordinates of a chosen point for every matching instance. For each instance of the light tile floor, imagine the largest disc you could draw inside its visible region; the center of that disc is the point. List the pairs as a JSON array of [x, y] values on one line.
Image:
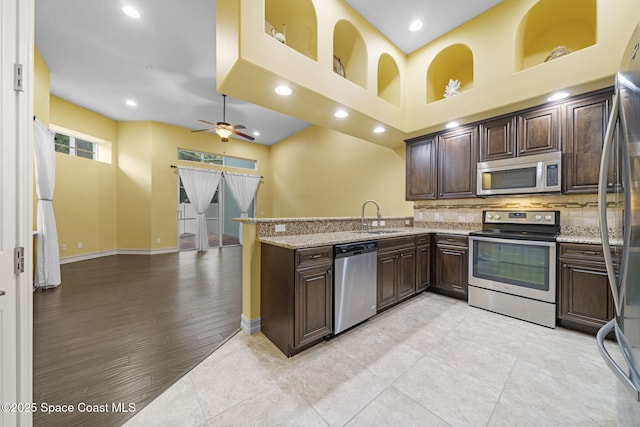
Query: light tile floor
[[431, 361]]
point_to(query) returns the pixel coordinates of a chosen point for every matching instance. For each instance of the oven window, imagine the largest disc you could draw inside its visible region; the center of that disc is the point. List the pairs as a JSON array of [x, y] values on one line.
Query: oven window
[[515, 264], [510, 179]]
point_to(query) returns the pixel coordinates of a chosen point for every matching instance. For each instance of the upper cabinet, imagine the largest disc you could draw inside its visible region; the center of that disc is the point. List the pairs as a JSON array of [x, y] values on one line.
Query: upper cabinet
[[457, 160], [585, 125], [539, 131], [498, 139], [422, 177]]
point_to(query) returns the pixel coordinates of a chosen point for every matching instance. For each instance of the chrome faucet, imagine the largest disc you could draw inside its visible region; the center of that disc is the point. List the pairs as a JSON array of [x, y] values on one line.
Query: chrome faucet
[[362, 223]]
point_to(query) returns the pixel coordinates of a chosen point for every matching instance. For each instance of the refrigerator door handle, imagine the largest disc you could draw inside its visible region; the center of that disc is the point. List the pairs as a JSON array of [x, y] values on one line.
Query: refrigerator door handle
[[602, 333], [602, 202]]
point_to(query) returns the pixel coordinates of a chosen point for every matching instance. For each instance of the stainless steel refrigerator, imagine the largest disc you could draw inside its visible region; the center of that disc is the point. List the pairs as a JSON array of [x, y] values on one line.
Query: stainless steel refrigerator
[[622, 143]]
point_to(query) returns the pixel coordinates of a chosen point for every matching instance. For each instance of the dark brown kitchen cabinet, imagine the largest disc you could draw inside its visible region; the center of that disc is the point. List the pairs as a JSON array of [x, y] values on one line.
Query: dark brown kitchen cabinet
[[423, 262], [457, 158], [538, 131], [585, 125], [396, 270], [421, 177], [296, 296], [498, 139], [451, 264], [585, 301]]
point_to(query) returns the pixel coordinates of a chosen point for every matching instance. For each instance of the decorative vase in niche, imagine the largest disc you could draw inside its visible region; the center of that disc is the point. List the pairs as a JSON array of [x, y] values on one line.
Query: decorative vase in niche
[[281, 37], [337, 66], [452, 88], [557, 53]]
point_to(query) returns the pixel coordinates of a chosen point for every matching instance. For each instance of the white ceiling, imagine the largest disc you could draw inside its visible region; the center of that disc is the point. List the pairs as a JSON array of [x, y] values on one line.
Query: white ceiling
[[165, 61]]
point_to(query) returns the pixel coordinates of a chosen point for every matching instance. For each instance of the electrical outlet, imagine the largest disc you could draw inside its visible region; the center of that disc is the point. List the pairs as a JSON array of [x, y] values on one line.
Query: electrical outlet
[[407, 222], [63, 247], [158, 240], [420, 215], [280, 228], [79, 245], [382, 223], [374, 223]]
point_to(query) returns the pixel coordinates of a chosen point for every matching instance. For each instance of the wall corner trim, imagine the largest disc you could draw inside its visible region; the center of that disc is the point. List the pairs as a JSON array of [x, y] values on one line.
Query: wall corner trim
[[250, 326]]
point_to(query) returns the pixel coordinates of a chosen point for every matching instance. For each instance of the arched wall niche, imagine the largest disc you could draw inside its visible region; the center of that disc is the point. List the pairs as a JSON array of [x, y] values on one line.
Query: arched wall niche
[[550, 24], [350, 50], [454, 62], [297, 21], [389, 87]]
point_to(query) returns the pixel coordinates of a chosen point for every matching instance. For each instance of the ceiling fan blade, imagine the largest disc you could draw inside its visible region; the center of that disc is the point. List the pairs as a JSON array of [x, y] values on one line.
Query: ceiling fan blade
[[202, 130], [207, 122], [238, 126], [244, 135]]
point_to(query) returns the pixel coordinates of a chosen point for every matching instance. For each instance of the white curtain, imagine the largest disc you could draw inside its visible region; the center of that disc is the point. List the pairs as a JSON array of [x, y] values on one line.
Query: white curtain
[[200, 185], [47, 270], [243, 187]]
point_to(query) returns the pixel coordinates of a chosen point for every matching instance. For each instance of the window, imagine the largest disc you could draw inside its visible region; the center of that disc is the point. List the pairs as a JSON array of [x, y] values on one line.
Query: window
[[216, 159], [75, 146]]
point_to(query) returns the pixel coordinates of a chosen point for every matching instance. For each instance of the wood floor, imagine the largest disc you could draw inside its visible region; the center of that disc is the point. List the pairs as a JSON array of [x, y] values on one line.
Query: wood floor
[[121, 329]]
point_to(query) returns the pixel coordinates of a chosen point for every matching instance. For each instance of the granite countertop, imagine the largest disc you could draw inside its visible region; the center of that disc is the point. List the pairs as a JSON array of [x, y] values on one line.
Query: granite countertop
[[300, 241]]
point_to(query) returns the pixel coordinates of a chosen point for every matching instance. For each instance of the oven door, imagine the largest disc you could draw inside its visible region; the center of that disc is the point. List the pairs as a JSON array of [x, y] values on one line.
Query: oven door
[[518, 267]]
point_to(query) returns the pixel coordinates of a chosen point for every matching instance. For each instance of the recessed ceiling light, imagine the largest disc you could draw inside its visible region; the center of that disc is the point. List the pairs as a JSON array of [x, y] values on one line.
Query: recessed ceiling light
[[452, 125], [283, 90], [558, 96], [131, 102], [256, 133], [341, 114], [378, 129], [131, 12], [415, 25]]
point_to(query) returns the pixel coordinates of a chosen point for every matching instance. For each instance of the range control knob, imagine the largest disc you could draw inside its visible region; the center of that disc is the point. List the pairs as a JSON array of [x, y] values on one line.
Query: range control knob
[[538, 217], [498, 216], [548, 217], [489, 216]]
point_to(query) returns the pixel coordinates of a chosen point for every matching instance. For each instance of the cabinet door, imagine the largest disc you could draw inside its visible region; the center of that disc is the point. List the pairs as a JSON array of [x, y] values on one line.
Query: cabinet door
[[498, 139], [387, 279], [585, 124], [452, 270], [423, 267], [406, 262], [539, 131], [584, 295], [421, 178], [313, 304], [457, 158]]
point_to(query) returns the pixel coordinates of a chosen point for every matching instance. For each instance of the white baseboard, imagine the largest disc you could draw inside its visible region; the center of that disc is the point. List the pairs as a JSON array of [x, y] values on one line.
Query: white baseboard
[[250, 326], [93, 255]]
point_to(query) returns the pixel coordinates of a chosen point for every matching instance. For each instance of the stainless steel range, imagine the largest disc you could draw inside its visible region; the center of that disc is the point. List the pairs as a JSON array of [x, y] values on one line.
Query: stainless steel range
[[512, 265]]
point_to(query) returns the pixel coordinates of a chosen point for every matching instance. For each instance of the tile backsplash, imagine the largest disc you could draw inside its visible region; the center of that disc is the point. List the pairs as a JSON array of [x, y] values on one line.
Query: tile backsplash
[[575, 210]]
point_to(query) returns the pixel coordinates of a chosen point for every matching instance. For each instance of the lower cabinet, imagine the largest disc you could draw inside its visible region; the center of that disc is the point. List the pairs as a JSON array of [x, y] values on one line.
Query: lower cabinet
[[296, 301], [451, 265], [396, 270], [423, 262], [584, 297]]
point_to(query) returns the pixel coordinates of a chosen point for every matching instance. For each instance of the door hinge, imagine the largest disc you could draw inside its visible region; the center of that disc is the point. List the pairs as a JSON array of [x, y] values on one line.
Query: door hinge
[[18, 78], [18, 260]]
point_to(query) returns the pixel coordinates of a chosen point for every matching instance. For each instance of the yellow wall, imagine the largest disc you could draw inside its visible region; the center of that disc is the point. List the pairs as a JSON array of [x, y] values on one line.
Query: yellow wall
[[85, 195], [321, 172], [41, 88]]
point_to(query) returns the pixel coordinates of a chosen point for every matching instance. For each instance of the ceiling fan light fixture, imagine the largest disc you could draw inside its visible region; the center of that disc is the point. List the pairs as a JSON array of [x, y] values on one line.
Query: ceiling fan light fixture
[[223, 133]]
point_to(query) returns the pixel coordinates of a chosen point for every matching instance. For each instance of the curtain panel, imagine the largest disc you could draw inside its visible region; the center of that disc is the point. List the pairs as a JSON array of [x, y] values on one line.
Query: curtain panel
[[243, 188], [200, 186], [47, 268]]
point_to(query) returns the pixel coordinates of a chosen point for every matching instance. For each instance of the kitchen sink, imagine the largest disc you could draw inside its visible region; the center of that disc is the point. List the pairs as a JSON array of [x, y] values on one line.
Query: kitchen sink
[[375, 231]]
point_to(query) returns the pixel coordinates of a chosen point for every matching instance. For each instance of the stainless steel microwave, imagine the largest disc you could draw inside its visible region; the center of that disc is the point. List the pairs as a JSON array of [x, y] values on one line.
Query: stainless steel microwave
[[540, 173]]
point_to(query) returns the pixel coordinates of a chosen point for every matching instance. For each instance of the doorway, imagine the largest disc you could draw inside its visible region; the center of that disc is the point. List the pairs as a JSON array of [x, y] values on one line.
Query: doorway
[[221, 229]]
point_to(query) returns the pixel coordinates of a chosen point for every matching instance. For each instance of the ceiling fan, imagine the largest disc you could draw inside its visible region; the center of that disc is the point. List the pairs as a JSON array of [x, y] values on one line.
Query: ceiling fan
[[224, 129]]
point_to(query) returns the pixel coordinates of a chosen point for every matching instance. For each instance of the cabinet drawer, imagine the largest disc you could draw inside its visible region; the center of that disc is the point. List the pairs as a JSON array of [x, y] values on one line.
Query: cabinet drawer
[[396, 243], [583, 251], [423, 239], [452, 239], [313, 256]]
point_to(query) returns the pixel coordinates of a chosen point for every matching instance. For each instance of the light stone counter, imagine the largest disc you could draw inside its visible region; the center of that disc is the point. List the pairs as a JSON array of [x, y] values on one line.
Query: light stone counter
[[301, 241], [588, 235]]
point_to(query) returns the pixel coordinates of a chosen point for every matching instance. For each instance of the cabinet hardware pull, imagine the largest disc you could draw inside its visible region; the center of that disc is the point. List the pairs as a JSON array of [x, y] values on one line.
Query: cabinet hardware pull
[[590, 253], [315, 256]]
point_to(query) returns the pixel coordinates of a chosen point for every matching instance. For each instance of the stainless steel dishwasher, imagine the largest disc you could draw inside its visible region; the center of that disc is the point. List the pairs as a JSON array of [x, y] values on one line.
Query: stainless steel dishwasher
[[355, 283]]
